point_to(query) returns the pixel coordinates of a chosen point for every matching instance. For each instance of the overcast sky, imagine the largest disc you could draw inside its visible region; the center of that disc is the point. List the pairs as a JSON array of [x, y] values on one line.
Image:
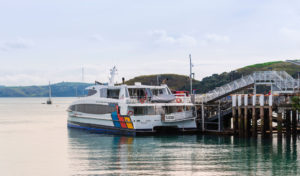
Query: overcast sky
[[43, 41]]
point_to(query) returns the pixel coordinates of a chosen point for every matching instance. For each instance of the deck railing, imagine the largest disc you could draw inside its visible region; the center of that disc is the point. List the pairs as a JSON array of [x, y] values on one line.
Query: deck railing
[[180, 98]]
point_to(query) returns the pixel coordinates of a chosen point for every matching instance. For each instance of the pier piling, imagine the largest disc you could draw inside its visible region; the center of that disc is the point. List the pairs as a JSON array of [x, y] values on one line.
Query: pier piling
[[279, 124], [246, 115], [294, 122], [288, 122], [262, 121], [270, 120], [262, 115], [271, 114]]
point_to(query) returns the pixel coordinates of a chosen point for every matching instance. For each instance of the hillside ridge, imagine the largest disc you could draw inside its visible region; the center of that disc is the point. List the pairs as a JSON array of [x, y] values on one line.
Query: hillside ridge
[[173, 80]]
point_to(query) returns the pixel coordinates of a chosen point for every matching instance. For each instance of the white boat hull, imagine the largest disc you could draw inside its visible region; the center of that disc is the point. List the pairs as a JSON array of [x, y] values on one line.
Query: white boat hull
[[104, 123]]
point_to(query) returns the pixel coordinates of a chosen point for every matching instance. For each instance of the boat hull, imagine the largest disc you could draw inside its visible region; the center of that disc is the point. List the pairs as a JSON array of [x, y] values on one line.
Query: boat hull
[[102, 124]]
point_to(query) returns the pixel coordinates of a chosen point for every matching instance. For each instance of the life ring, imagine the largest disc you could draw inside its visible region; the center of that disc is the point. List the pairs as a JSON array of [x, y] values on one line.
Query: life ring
[[178, 100], [130, 113]]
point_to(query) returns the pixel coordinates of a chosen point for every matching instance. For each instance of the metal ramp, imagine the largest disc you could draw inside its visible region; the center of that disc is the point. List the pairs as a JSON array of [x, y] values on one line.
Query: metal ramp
[[297, 62], [280, 81]]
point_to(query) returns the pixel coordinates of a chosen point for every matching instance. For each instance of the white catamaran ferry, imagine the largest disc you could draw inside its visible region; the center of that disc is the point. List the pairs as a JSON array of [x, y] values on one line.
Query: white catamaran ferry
[[132, 109]]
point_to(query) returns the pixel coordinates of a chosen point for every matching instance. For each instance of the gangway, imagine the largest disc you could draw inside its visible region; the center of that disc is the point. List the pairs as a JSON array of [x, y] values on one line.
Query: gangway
[[296, 62], [280, 82]]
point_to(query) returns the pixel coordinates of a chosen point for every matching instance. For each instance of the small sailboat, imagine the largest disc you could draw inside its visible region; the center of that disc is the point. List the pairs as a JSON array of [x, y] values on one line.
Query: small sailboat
[[49, 101]]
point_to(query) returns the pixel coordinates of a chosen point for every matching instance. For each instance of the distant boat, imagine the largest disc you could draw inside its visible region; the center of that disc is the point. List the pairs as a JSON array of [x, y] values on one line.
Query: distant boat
[[49, 101]]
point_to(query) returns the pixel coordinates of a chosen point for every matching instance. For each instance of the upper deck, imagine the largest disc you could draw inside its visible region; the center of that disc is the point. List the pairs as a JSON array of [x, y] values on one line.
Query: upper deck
[[141, 95]]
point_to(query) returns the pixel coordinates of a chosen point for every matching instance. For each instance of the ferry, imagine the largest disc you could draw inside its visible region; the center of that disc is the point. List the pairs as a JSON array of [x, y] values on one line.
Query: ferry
[[132, 109]]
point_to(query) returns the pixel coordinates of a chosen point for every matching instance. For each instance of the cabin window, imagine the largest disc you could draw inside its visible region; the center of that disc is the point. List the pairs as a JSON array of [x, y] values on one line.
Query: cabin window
[[140, 110], [103, 93], [137, 93], [93, 108], [113, 93], [91, 92], [144, 110], [157, 92]]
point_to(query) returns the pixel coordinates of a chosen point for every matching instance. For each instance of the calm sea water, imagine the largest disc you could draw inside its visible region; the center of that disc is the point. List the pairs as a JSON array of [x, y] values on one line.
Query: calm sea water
[[35, 140]]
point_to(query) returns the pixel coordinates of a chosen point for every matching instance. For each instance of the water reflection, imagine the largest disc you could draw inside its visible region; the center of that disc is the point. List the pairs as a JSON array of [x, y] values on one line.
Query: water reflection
[[176, 155]]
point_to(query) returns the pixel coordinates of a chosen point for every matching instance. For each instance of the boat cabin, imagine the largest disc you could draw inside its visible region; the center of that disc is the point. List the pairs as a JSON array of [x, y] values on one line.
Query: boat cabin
[[137, 92]]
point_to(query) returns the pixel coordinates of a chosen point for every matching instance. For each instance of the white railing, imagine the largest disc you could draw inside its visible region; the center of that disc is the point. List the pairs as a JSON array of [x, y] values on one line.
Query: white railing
[[137, 99], [180, 98], [279, 79]]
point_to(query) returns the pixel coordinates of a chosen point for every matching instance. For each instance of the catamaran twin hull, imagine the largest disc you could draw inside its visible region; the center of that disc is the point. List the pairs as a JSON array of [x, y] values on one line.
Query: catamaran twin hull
[[132, 109], [115, 123]]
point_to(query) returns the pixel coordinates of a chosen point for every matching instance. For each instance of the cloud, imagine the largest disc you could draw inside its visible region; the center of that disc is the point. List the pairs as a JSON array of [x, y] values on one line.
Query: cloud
[[19, 43], [162, 38], [215, 38], [291, 34], [97, 38], [21, 79]]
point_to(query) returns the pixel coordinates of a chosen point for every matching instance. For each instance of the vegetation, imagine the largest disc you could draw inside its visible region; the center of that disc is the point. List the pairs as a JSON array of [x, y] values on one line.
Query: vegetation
[[174, 81], [296, 103], [262, 65], [180, 82], [63, 89]]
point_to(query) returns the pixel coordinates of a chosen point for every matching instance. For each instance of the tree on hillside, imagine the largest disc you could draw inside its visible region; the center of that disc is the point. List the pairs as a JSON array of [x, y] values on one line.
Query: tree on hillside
[[296, 103]]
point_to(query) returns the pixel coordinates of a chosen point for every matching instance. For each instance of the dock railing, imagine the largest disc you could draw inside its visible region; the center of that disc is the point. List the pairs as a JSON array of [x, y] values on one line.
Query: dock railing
[[280, 81]]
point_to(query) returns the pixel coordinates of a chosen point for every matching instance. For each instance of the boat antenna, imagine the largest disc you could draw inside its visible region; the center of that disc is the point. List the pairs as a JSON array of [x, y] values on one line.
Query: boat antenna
[[191, 74], [112, 75]]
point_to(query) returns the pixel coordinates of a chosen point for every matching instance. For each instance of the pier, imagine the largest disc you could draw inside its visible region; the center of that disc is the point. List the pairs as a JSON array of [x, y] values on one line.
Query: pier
[[260, 103]]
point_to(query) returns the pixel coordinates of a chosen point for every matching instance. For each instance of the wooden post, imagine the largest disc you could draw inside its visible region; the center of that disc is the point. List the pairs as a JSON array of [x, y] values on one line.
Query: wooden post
[[262, 121], [279, 124], [246, 115], [240, 121], [262, 115], [294, 122], [240, 115], [271, 114], [254, 119], [271, 120], [234, 119], [254, 122], [288, 122], [246, 121]]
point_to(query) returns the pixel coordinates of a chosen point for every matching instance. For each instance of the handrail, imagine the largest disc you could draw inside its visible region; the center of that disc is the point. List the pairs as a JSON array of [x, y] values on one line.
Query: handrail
[[280, 79]]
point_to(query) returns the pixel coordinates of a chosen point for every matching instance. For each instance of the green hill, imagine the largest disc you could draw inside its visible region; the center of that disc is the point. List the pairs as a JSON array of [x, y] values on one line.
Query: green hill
[[180, 82], [63, 89], [174, 81]]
